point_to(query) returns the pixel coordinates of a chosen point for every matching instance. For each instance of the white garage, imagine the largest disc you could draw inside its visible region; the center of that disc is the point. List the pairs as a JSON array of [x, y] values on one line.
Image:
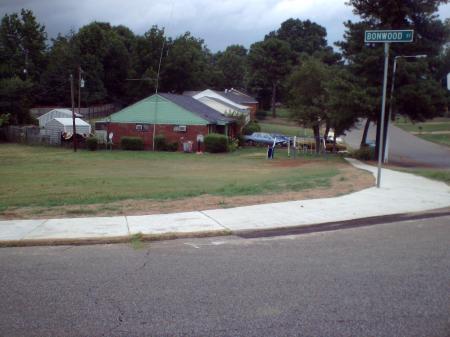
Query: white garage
[[59, 126], [55, 113]]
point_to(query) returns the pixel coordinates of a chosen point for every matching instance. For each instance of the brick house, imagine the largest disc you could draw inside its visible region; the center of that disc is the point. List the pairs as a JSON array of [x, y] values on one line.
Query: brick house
[[179, 118]]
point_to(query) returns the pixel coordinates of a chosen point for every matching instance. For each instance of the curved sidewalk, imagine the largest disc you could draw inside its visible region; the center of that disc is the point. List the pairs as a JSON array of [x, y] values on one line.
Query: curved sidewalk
[[399, 193]]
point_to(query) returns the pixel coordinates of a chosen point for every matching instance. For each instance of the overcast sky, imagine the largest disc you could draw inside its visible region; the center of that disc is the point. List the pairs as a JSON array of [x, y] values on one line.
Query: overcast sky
[[219, 23]]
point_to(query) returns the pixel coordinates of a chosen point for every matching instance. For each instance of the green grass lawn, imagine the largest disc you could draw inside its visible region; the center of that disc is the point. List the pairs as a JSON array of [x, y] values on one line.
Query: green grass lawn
[[280, 112], [438, 124], [47, 176], [288, 130], [435, 174], [443, 139]]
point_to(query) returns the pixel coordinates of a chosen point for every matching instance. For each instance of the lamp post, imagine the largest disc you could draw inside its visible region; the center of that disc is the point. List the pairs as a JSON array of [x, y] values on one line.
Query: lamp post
[[386, 152]]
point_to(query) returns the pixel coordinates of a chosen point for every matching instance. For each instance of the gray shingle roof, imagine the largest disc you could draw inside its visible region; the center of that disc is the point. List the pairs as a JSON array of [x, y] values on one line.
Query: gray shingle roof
[[224, 103], [191, 92], [237, 97], [198, 108]]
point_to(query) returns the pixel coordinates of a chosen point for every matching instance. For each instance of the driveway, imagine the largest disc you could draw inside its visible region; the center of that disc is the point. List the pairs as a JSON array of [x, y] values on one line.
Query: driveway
[[404, 148]]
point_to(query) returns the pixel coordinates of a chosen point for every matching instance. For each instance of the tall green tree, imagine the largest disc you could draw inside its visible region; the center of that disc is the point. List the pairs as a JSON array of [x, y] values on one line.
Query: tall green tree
[[105, 60], [309, 96], [22, 61], [55, 85], [145, 61], [418, 96], [185, 65], [367, 60], [346, 98], [302, 36], [269, 62], [306, 37], [232, 64]]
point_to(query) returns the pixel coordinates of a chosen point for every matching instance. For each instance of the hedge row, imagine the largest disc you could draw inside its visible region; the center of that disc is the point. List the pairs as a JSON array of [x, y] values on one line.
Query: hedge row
[[161, 144], [132, 143], [215, 143]]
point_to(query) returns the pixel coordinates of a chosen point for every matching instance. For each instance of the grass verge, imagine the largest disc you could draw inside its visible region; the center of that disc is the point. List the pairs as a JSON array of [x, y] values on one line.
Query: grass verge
[[34, 181], [435, 174], [442, 139]]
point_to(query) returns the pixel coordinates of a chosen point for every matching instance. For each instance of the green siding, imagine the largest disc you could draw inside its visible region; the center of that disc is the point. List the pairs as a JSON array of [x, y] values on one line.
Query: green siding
[[157, 109]]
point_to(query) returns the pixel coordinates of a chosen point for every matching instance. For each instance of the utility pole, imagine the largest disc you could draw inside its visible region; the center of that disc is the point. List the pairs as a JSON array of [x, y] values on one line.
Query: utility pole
[[383, 107], [386, 127], [74, 130], [156, 94], [79, 90]]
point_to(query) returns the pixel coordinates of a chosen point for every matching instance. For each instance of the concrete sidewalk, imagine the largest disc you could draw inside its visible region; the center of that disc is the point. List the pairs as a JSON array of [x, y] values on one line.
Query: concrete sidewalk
[[399, 193]]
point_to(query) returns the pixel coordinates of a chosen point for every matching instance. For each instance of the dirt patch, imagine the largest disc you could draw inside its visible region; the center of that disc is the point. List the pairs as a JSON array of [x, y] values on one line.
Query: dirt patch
[[430, 132], [292, 163], [348, 180]]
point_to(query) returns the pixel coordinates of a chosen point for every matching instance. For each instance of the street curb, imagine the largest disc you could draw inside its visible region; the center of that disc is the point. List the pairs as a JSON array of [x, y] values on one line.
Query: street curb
[[111, 240], [344, 224], [246, 234]]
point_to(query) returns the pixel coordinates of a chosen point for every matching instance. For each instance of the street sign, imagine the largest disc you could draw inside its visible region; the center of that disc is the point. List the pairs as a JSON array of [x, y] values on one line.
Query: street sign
[[377, 36], [387, 37], [448, 81]]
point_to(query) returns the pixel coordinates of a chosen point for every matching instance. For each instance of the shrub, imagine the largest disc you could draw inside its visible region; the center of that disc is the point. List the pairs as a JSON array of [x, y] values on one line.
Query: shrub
[[364, 153], [172, 147], [261, 114], [233, 145], [215, 142], [160, 143], [91, 143], [252, 126], [132, 143]]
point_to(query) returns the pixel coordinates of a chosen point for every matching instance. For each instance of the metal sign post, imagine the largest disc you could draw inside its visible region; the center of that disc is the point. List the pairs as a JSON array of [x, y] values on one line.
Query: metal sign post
[[386, 37], [383, 109]]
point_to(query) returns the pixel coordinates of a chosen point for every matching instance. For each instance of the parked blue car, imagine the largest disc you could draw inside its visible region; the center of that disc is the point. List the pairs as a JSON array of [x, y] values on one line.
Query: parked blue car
[[285, 138], [262, 138]]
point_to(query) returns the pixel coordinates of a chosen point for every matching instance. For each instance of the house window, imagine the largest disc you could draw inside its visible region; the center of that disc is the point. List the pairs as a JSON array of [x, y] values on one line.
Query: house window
[[180, 128], [142, 127]]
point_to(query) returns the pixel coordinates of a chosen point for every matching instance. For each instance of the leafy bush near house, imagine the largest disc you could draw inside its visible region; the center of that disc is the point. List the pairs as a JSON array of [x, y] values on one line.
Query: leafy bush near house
[[4, 119], [132, 143], [261, 114], [161, 144], [91, 143], [252, 126], [364, 153], [233, 145], [172, 147], [215, 143]]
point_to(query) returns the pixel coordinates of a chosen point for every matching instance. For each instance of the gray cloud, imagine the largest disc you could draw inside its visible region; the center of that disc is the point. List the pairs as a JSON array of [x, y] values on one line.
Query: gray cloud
[[219, 23]]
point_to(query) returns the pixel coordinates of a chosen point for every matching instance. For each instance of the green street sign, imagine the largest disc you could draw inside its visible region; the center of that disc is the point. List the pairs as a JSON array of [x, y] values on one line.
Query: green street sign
[[377, 36]]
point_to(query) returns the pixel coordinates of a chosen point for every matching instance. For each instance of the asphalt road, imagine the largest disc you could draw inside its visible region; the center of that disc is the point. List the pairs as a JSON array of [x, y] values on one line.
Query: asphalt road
[[383, 280], [404, 148]]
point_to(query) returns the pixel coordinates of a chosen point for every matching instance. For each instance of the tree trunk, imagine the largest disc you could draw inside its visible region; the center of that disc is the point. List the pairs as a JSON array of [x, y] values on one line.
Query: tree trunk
[[316, 130], [327, 130], [334, 141], [385, 132], [366, 131], [274, 92], [377, 140]]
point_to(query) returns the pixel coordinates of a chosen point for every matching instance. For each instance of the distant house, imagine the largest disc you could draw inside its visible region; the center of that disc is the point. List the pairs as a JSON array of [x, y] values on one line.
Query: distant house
[[57, 127], [229, 96], [179, 118], [55, 113], [226, 109]]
